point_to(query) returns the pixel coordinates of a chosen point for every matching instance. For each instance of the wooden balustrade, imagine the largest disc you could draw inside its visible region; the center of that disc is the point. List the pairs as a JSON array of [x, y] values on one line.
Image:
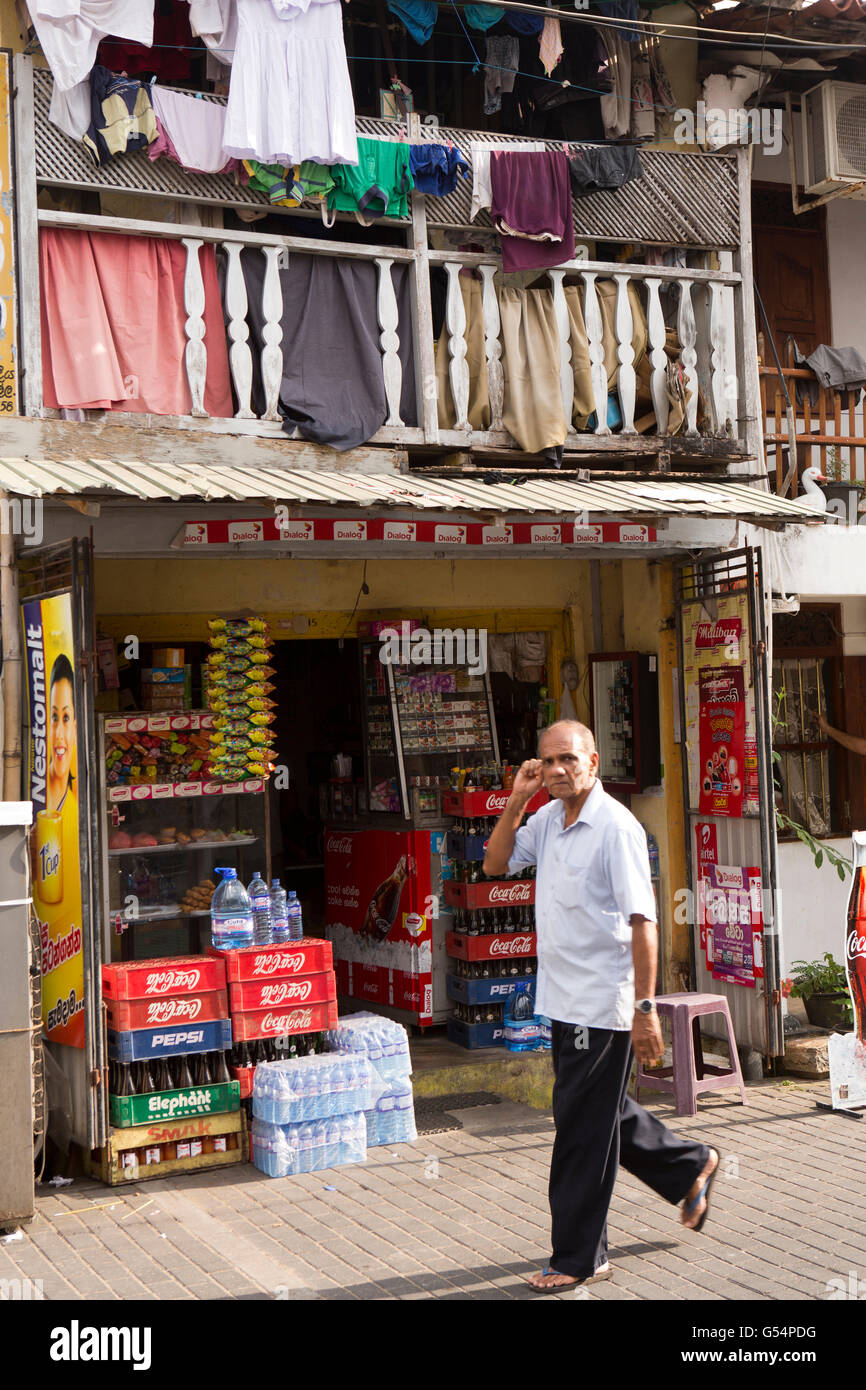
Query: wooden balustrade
[[837, 422], [703, 310]]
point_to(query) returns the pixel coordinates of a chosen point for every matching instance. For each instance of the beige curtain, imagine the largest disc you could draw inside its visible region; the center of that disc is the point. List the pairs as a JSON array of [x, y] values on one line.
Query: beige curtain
[[532, 411]]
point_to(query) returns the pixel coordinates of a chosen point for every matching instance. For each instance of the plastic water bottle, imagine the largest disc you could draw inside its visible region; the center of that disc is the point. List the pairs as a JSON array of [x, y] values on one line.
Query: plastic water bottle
[[279, 917], [293, 912], [522, 1030], [231, 914], [260, 900]]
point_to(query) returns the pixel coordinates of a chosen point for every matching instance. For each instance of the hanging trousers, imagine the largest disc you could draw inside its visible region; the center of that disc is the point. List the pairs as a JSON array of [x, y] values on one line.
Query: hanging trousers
[[599, 1127]]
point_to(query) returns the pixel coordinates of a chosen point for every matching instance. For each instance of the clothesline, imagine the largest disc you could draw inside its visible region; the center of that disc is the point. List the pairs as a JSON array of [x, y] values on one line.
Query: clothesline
[[492, 67]]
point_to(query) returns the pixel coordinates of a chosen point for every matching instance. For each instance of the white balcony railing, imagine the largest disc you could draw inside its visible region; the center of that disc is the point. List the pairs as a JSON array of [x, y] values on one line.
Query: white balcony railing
[[705, 312]]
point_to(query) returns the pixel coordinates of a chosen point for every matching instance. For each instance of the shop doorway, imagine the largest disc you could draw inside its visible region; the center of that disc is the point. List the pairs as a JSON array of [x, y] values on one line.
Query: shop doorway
[[318, 695]]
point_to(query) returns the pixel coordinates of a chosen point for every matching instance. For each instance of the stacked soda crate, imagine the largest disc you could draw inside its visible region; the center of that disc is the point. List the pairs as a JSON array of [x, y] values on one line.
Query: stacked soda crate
[[172, 1103], [492, 948], [276, 994]]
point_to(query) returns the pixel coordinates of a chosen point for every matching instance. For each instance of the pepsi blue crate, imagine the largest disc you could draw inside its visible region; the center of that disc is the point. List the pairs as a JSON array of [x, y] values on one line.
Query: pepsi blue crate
[[464, 991], [475, 1034], [465, 847], [143, 1043]]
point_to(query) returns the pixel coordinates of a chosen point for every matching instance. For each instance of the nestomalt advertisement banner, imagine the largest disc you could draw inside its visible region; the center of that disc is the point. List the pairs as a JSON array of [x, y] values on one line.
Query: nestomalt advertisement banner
[[52, 786]]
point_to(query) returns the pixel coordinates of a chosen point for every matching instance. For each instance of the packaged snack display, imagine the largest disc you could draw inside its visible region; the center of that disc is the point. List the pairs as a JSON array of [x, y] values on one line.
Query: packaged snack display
[[238, 686]]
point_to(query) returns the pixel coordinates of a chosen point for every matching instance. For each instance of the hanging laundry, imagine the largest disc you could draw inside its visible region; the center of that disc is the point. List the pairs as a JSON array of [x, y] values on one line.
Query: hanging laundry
[[500, 70], [169, 58], [482, 16], [113, 315], [623, 9], [69, 32], [616, 107], [600, 166], [480, 155], [550, 44], [417, 16], [478, 413], [643, 113], [215, 22], [532, 411], [290, 97], [122, 117], [531, 206], [435, 168], [525, 23], [191, 131], [333, 386], [281, 185], [377, 185]]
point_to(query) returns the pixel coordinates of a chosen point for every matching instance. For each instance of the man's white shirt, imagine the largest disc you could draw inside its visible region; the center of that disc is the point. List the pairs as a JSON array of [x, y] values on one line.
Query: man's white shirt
[[592, 877]]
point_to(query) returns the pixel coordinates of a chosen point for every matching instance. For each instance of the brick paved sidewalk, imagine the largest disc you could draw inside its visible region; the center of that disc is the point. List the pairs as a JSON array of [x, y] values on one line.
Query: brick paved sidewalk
[[463, 1215]]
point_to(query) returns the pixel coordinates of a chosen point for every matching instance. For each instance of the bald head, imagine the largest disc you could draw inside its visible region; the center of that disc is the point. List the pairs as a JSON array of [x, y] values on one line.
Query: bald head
[[570, 728]]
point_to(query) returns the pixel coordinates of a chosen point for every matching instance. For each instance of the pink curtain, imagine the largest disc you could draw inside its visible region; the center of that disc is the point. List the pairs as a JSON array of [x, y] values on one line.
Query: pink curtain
[[113, 324]]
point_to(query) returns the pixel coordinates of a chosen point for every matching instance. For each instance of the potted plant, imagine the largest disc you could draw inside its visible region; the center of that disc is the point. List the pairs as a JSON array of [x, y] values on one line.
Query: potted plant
[[823, 987]]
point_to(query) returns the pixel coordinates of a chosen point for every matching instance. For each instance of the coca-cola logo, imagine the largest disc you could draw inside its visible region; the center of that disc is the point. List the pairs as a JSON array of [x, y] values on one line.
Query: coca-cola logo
[[510, 893], [278, 963], [295, 1022], [339, 844], [286, 991], [855, 947], [166, 1010], [496, 801], [171, 981], [512, 946]]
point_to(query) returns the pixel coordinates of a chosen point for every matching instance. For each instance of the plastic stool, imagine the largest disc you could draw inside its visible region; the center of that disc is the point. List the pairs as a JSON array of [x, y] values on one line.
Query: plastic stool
[[690, 1074]]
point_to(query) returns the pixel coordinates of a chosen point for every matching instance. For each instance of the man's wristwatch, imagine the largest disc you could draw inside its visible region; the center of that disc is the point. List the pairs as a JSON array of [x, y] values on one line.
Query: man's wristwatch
[[645, 1006]]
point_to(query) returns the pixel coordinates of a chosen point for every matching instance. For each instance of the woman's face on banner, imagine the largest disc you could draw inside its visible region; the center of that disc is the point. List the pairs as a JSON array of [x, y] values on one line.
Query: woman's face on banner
[[62, 729]]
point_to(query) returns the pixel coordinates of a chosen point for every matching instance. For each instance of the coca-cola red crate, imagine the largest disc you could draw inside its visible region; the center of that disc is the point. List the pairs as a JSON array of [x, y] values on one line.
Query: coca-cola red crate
[[309, 956], [124, 1014], [285, 991], [481, 803], [278, 1023], [171, 975], [498, 893], [502, 946], [244, 1077]]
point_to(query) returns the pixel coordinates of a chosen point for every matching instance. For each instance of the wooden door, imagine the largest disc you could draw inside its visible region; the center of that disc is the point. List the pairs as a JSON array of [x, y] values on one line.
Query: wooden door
[[790, 254]]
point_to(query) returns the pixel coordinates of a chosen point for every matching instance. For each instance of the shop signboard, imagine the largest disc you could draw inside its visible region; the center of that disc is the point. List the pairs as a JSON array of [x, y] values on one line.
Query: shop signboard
[[379, 911], [720, 709], [59, 815], [734, 924]]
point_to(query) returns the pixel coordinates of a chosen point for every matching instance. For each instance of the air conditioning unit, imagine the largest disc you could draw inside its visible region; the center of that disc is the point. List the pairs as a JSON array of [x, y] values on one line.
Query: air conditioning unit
[[834, 137]]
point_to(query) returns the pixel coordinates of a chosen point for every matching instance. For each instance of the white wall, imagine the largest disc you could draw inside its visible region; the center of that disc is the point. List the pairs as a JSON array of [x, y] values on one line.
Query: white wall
[[813, 904]]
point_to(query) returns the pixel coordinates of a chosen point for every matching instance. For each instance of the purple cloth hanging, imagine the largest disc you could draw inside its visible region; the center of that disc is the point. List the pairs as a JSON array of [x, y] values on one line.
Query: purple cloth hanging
[[532, 194]]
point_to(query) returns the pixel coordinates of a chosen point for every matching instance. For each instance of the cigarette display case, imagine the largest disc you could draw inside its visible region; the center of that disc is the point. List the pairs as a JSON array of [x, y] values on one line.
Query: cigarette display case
[[168, 827], [624, 710]]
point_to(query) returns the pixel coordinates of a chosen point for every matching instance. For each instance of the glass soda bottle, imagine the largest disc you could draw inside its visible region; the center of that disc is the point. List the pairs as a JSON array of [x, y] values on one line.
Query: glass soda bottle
[[855, 936]]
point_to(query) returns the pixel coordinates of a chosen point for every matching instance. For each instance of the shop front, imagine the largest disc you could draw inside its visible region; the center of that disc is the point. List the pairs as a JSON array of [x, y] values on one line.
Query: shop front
[[404, 686]]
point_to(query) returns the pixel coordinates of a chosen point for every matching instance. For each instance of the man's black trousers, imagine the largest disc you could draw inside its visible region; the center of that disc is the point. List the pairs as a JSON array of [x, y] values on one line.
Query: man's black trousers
[[599, 1127]]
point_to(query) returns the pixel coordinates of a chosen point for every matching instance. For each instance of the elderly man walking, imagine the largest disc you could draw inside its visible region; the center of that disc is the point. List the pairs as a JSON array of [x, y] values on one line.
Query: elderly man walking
[[597, 953]]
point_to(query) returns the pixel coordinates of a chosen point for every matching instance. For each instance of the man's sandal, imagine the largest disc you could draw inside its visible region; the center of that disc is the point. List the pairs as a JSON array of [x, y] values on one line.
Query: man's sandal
[[604, 1273], [704, 1192]]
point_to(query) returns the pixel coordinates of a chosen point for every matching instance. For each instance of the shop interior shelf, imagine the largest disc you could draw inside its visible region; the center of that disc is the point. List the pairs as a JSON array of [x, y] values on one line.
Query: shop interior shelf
[[181, 790], [228, 843]]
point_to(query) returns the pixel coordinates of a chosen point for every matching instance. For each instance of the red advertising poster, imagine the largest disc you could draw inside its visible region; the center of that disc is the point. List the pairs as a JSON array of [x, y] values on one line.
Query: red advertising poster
[[707, 848], [732, 923], [722, 743], [378, 914]]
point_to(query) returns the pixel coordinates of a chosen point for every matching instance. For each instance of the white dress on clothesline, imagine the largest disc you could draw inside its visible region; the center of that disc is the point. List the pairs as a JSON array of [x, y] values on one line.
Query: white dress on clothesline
[[290, 97]]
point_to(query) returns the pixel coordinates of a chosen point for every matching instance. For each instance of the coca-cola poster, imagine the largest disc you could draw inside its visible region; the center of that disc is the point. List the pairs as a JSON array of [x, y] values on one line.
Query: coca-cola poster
[[378, 909], [848, 1050]]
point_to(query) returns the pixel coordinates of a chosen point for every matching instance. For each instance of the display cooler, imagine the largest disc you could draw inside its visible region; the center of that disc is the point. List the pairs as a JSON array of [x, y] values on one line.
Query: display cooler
[[386, 861], [169, 828]]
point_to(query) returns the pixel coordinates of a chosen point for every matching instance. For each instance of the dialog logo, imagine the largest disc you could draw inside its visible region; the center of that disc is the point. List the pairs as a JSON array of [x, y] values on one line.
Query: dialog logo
[[296, 531], [245, 531], [633, 533], [545, 535], [588, 535], [496, 535], [350, 530], [449, 535], [399, 531]]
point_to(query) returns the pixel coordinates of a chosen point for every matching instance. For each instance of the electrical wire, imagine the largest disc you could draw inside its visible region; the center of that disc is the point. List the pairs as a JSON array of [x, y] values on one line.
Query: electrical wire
[[364, 589]]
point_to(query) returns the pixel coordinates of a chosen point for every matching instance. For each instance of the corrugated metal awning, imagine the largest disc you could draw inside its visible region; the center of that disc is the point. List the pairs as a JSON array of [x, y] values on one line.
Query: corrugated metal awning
[[541, 496]]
